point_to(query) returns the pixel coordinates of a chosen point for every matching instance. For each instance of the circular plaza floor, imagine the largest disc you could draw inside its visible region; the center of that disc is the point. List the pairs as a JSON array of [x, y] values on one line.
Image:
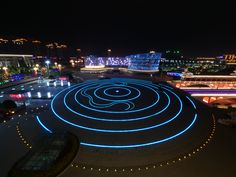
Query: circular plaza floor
[[129, 123]]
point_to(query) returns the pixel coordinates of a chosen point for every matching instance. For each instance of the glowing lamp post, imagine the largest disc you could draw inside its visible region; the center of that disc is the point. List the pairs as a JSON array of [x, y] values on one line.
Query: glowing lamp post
[[59, 67], [47, 63], [109, 52], [35, 70], [72, 63], [5, 70]]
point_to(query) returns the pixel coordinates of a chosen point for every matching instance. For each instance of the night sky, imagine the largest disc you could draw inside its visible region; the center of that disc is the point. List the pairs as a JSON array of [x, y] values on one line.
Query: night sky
[[94, 26]]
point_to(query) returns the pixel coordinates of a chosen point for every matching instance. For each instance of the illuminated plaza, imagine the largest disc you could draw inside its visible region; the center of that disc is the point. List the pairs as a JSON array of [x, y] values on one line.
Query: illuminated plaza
[[127, 122], [117, 89], [100, 111], [120, 130]]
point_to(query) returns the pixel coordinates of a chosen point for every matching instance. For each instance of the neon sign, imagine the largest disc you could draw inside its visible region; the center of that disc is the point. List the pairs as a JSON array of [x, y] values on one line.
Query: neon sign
[[230, 58]]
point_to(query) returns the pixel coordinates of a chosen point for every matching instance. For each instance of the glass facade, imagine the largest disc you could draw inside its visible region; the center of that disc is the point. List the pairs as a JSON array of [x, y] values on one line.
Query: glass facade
[[106, 61], [147, 61]]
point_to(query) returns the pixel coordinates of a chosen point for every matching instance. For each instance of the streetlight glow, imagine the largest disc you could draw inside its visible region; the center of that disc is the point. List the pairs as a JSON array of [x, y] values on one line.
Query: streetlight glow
[[47, 62], [39, 94], [5, 68], [49, 94], [35, 69]]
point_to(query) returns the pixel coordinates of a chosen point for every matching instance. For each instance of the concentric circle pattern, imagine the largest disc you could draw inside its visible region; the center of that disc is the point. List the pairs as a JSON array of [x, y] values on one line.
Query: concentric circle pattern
[[124, 113]]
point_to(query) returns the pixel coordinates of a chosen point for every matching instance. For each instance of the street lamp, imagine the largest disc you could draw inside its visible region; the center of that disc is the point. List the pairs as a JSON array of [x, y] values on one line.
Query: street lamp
[[56, 65], [35, 70], [47, 62], [5, 71], [5, 68], [78, 50], [108, 52], [59, 67], [78, 53]]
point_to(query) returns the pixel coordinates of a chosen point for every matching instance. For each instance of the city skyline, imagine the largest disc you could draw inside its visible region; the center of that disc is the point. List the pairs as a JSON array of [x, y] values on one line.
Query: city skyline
[[126, 28]]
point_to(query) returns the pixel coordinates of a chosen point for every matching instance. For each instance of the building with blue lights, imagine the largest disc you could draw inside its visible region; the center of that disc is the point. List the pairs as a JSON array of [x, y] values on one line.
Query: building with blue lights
[[144, 62], [139, 62], [93, 61]]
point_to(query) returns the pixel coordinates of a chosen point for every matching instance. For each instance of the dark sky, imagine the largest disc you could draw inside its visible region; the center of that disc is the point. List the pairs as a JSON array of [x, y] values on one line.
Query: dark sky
[[125, 26]]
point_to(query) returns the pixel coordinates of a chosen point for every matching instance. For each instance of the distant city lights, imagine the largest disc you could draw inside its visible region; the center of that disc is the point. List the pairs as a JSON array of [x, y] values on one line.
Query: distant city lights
[[29, 94], [101, 62], [39, 94], [47, 62], [49, 94]]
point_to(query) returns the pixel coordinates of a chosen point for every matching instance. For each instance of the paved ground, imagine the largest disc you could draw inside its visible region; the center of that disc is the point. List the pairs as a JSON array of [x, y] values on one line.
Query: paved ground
[[182, 118], [13, 147], [215, 158]]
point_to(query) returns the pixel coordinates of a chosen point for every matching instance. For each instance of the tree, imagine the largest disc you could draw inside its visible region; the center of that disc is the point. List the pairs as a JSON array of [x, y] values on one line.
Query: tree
[[9, 104], [2, 108]]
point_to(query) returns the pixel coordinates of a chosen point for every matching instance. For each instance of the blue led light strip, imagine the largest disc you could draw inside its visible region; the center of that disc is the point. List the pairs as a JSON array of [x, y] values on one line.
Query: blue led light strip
[[44, 127], [119, 112], [143, 144], [166, 86], [191, 102], [104, 105], [116, 120], [132, 130], [117, 90], [117, 101], [95, 93], [133, 119], [118, 131]]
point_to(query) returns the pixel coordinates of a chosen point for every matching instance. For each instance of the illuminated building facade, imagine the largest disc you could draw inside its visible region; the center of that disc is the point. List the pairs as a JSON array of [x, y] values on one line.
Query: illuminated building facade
[[144, 62], [139, 62], [174, 61], [230, 58], [16, 60], [93, 61]]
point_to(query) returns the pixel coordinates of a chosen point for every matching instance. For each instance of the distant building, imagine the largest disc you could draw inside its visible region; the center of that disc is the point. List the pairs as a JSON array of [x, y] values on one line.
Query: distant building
[[16, 60], [93, 61], [230, 59], [139, 62], [148, 62]]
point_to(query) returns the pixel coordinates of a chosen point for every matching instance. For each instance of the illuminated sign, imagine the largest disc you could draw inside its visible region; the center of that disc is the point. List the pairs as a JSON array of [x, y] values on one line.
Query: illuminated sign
[[17, 96], [63, 78], [174, 74], [230, 58]]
